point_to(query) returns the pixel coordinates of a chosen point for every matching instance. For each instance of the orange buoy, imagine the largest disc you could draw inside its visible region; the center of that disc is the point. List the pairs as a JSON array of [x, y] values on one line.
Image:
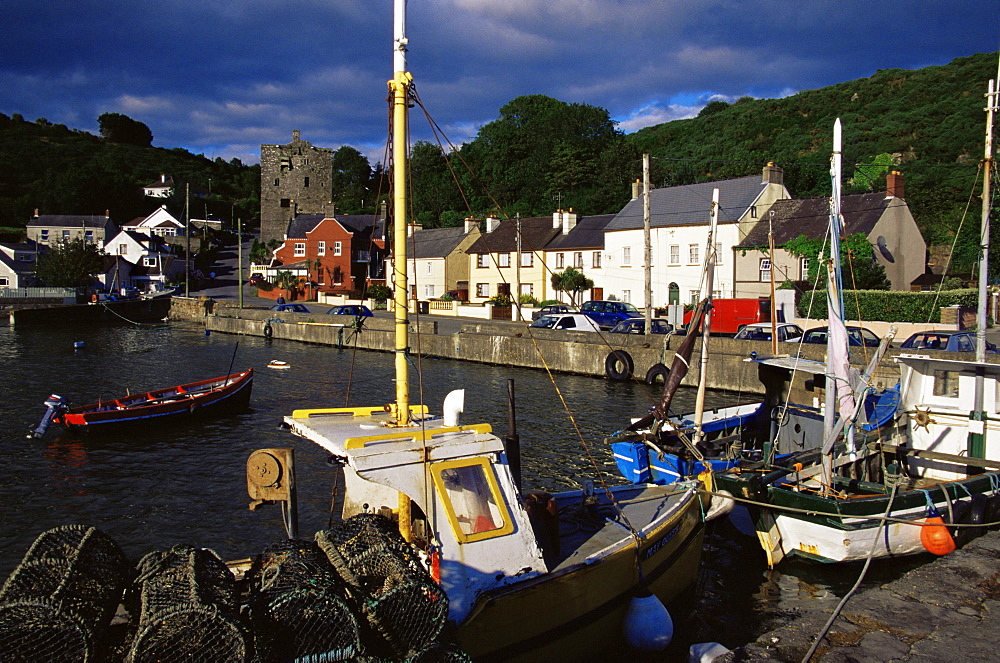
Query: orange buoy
[[934, 536]]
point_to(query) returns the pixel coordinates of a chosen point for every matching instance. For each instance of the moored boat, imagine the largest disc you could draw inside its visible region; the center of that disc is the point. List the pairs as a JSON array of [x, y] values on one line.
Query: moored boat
[[228, 393]]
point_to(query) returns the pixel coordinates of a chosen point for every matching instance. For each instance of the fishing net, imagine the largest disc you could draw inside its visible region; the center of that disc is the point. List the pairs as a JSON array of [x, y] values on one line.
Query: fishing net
[[187, 609], [438, 653], [298, 608], [404, 608], [58, 603]]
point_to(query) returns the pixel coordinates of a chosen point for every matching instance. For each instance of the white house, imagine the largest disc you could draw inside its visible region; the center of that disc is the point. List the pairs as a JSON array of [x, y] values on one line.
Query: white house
[[160, 222], [679, 225], [17, 264], [436, 262], [142, 261]]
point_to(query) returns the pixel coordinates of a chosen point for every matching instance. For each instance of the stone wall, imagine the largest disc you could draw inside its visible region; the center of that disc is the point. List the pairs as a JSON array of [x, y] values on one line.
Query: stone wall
[[304, 176]]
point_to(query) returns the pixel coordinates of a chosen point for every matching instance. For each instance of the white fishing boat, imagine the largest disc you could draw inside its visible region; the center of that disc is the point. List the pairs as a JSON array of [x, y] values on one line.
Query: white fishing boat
[[531, 576]]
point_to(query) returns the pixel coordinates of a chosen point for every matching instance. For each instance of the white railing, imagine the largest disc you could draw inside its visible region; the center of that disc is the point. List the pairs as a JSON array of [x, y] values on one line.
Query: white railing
[[38, 293]]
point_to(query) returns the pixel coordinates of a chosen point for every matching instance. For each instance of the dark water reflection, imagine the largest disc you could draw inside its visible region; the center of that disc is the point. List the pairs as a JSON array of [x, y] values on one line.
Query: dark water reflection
[[186, 483]]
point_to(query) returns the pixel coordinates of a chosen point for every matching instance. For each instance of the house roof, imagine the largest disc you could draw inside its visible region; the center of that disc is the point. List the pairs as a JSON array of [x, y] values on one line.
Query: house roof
[[811, 217], [536, 233], [690, 204], [69, 220], [587, 234], [435, 242], [303, 224]]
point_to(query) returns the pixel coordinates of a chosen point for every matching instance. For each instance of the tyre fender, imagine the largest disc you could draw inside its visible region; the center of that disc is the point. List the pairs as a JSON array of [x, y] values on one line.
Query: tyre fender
[[657, 372], [619, 365], [268, 332]]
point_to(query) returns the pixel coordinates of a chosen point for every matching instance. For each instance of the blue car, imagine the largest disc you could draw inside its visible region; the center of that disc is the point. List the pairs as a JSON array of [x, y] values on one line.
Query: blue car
[[351, 309], [953, 341], [607, 314], [290, 308]]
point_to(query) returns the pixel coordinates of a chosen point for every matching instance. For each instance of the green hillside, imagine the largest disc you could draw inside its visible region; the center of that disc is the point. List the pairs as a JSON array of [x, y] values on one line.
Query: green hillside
[[59, 170]]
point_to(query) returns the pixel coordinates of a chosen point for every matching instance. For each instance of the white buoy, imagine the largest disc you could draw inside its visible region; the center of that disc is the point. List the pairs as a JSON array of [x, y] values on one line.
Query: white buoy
[[705, 652], [647, 626]]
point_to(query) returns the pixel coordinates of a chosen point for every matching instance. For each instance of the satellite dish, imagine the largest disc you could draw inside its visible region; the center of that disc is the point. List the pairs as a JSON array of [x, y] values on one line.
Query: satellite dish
[[883, 249]]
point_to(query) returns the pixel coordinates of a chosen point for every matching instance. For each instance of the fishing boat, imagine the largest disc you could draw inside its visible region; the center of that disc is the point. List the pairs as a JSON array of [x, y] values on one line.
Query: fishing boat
[[526, 576], [929, 485], [228, 393]]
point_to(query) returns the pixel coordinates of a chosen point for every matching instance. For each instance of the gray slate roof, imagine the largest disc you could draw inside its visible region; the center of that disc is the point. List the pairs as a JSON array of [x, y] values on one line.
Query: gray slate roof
[[355, 223], [69, 220], [691, 204], [434, 242], [587, 234], [536, 233], [811, 217]]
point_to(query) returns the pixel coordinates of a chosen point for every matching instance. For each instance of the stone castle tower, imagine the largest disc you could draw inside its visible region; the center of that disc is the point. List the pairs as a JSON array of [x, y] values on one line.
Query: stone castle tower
[[296, 178]]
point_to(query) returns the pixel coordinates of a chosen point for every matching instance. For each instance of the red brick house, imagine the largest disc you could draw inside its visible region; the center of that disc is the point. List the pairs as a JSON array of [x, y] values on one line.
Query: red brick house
[[335, 255]]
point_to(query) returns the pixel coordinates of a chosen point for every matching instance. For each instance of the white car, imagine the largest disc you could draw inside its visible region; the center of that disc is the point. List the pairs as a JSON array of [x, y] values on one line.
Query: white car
[[568, 321], [761, 331]]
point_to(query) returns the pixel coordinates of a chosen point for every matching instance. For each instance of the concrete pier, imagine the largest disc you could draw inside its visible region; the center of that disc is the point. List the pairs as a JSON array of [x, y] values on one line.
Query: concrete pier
[[946, 610]]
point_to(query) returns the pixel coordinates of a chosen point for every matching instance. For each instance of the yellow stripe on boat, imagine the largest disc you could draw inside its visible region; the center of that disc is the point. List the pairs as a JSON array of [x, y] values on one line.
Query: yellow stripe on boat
[[415, 435], [353, 411]]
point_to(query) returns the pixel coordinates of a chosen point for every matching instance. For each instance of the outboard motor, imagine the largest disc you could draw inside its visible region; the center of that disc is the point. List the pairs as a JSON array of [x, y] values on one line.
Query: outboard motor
[[56, 404]]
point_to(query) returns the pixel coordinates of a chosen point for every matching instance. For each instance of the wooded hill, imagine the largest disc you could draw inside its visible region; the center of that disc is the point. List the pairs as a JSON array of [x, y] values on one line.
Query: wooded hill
[[59, 170]]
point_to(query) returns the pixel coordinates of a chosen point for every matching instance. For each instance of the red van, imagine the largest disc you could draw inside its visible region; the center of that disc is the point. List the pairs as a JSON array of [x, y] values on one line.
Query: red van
[[731, 315]]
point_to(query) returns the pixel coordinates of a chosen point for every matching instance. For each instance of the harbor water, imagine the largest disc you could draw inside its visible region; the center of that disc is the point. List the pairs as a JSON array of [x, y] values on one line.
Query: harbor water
[[186, 482]]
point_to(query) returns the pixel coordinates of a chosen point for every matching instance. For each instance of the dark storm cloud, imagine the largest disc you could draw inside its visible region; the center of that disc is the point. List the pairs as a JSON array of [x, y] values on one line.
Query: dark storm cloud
[[220, 77]]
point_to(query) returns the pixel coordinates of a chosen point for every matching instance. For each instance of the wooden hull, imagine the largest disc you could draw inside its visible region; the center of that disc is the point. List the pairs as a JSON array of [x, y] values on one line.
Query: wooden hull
[[573, 613], [215, 396]]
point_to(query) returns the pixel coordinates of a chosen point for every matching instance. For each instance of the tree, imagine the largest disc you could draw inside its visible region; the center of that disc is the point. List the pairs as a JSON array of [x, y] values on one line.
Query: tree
[[860, 269], [351, 178], [285, 280], [69, 264], [118, 128], [571, 281]]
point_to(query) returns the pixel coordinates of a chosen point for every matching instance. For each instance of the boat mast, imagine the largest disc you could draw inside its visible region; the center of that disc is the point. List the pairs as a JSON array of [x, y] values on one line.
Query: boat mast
[[399, 88], [709, 282]]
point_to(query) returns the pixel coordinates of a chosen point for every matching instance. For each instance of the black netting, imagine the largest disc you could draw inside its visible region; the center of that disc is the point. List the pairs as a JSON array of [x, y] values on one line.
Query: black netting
[[398, 598], [437, 653], [298, 606], [58, 603], [187, 609]]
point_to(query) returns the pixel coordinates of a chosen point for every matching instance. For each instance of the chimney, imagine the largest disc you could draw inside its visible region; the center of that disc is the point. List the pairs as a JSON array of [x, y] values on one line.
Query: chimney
[[894, 185], [773, 174], [295, 135], [557, 218], [491, 223], [636, 189], [412, 228], [36, 212], [568, 221], [470, 223], [329, 210], [163, 178]]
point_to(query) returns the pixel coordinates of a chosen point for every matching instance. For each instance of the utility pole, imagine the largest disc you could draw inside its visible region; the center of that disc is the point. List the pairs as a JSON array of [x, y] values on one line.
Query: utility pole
[[187, 239], [517, 272], [648, 255], [239, 258]]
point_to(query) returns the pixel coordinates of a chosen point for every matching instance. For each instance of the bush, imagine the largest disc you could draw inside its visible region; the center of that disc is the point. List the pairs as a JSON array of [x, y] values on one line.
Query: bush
[[499, 300], [888, 306]]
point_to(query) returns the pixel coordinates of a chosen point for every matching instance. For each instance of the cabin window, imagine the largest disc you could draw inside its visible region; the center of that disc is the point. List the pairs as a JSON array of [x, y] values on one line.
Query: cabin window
[[471, 497], [946, 384]]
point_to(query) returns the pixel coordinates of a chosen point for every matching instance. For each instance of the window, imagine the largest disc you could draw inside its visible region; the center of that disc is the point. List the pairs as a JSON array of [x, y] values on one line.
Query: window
[[560, 260], [804, 269], [471, 497], [693, 297], [361, 256], [149, 261], [693, 254], [504, 259], [300, 249], [482, 290], [753, 211], [626, 256], [765, 270], [718, 253], [578, 259], [277, 182], [482, 260], [946, 383], [170, 232], [123, 249], [25, 257], [430, 266], [305, 182], [526, 289], [3, 282], [89, 235], [321, 248], [338, 248], [527, 259], [675, 254], [428, 291], [66, 234], [45, 235], [595, 260], [286, 202], [626, 295]]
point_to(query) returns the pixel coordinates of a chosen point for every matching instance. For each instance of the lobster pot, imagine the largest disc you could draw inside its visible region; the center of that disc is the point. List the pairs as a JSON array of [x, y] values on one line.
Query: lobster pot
[[58, 603], [187, 609], [399, 600], [298, 607]]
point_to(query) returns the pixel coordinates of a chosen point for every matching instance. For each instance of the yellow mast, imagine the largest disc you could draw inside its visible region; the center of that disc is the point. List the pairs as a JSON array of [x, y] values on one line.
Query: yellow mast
[[399, 88]]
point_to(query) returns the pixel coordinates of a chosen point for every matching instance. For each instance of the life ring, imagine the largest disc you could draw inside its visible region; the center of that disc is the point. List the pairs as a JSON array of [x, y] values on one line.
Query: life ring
[[268, 332], [619, 365], [657, 371]]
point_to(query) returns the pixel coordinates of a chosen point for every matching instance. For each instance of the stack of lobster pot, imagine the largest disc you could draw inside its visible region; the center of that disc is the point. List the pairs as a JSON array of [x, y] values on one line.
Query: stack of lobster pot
[[404, 609], [298, 608], [58, 603], [188, 611]]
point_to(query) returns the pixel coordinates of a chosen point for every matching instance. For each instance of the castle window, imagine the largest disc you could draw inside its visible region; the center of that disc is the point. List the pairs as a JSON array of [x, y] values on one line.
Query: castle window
[[286, 202], [305, 182], [277, 182]]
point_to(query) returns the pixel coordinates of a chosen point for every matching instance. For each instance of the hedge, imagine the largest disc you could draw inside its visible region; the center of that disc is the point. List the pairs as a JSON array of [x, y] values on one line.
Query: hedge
[[888, 305]]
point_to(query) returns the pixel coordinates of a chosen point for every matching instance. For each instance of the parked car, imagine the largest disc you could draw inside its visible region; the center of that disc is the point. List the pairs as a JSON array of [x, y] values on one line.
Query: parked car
[[855, 336], [256, 278], [571, 321], [607, 314], [761, 331], [293, 308], [954, 341], [550, 310], [638, 326], [351, 309]]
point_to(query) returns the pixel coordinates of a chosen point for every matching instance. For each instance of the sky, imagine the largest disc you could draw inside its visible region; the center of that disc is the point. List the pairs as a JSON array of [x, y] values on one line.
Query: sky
[[220, 77]]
